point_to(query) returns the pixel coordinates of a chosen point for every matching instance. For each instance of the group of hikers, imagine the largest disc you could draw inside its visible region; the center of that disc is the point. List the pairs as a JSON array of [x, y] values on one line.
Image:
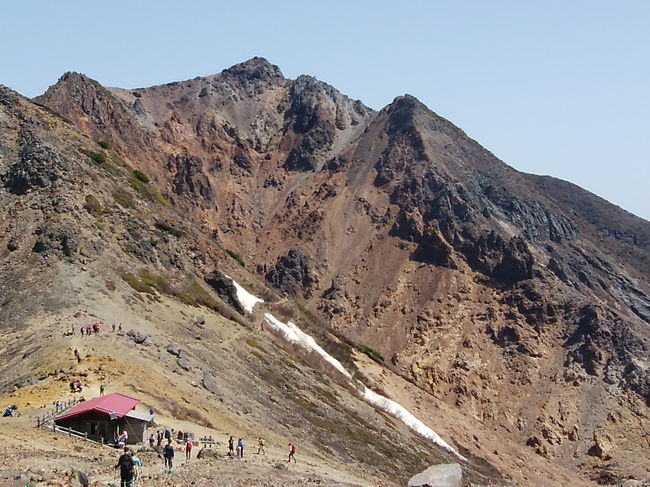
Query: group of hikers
[[90, 329], [261, 444], [87, 330], [129, 465]]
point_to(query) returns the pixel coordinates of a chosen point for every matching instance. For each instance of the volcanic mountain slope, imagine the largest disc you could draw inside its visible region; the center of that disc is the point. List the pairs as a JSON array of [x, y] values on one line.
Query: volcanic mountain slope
[[475, 282], [86, 239]]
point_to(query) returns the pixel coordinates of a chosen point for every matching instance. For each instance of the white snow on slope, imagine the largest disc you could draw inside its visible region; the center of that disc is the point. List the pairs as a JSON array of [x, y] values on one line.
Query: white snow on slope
[[398, 411], [246, 299], [289, 332], [293, 335]]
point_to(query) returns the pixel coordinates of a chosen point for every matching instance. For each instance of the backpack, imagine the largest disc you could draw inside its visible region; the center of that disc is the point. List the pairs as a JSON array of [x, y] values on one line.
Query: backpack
[[293, 448]]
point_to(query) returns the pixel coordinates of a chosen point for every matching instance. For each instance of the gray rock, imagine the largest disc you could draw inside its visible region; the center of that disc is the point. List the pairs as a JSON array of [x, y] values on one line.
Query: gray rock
[[224, 288], [12, 244], [211, 385], [140, 339], [174, 349], [59, 239], [38, 166], [183, 363], [207, 453], [292, 273], [444, 475]]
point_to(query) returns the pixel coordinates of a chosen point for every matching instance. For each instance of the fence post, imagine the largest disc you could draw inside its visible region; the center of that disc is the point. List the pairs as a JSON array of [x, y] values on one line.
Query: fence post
[[85, 436], [69, 431]]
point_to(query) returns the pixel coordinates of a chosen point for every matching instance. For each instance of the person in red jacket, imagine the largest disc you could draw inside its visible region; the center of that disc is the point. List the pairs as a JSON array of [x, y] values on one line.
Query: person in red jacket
[[188, 449], [292, 452]]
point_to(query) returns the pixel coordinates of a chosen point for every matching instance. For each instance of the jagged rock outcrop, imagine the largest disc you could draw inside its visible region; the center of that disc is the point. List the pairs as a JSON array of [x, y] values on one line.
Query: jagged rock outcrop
[[292, 273], [477, 280], [225, 288], [37, 166]]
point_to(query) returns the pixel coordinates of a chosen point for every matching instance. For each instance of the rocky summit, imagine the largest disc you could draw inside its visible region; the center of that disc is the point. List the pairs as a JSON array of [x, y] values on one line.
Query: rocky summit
[[508, 312]]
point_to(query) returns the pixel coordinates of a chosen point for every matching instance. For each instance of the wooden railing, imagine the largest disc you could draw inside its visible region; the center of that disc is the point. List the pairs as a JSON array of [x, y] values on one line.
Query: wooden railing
[[50, 416], [71, 432]]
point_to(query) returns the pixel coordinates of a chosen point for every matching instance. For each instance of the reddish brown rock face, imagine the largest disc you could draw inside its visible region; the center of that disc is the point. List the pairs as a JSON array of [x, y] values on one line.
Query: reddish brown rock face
[[521, 300]]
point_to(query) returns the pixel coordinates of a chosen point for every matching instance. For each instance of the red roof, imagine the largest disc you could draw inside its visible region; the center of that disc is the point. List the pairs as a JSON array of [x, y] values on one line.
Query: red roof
[[116, 403]]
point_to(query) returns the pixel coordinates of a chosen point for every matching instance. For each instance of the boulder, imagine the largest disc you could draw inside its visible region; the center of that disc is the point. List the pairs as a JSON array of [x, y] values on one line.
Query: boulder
[[444, 475], [137, 337], [207, 453], [183, 363], [12, 244], [210, 384], [603, 446], [174, 349]]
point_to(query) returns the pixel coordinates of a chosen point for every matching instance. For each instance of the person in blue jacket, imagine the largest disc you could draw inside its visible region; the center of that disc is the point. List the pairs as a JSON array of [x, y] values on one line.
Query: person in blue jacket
[[240, 449]]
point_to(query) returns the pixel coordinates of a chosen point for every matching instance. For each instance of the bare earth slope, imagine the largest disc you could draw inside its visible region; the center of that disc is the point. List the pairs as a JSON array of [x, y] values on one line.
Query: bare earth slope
[[85, 240], [516, 306]]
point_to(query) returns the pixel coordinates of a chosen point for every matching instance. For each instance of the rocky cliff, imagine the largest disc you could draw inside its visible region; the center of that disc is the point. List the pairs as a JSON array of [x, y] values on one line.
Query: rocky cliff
[[520, 301]]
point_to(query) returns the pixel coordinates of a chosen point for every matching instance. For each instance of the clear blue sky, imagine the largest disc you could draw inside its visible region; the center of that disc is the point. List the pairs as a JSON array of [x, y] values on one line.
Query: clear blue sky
[[551, 87]]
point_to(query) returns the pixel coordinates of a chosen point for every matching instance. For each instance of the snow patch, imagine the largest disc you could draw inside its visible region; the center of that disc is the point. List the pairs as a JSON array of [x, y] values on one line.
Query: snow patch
[[289, 332], [246, 299], [307, 346], [398, 411]]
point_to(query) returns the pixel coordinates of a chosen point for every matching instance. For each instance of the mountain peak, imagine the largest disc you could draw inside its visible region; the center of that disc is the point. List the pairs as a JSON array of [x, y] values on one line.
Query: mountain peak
[[256, 68]]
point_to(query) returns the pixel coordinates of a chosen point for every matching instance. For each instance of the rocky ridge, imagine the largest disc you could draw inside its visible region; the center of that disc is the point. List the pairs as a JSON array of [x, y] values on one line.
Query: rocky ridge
[[471, 280]]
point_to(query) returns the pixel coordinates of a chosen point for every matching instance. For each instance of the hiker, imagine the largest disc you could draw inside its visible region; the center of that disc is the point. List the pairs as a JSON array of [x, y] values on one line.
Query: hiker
[[231, 446], [168, 455], [8, 412], [102, 387], [137, 467], [119, 328], [77, 386], [159, 437], [77, 355], [57, 406], [126, 466], [292, 452], [152, 440], [89, 330], [240, 449], [188, 449], [260, 447], [168, 434], [72, 386], [113, 327], [82, 331]]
